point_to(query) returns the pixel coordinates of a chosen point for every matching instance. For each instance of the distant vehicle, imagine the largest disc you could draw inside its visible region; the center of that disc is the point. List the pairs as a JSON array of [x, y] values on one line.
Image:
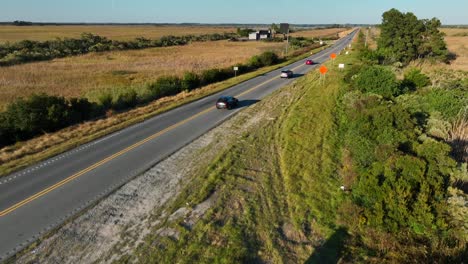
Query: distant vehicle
[[309, 62], [227, 102], [286, 74]]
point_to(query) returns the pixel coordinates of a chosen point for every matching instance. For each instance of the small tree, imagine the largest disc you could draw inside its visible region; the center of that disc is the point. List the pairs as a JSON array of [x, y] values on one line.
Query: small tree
[[404, 38]]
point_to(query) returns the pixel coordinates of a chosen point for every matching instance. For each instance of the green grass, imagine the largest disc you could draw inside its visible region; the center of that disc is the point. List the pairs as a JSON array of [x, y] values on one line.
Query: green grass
[[276, 188]]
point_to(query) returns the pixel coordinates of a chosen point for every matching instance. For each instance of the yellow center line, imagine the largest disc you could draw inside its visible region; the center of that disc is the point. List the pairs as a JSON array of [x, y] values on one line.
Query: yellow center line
[[120, 153]]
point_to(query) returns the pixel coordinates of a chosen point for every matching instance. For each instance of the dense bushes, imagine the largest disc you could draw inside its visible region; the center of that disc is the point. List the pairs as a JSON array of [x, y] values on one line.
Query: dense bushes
[[165, 86], [265, 59], [27, 50], [379, 80], [398, 166], [26, 118], [403, 181]]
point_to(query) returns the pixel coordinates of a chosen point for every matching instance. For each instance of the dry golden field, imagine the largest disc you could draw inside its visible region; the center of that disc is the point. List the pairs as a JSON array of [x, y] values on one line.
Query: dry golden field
[[318, 33], [120, 32], [76, 76], [457, 42]]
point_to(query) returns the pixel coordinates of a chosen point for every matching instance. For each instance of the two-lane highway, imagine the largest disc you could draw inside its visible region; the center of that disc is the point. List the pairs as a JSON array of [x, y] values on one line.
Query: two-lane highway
[[41, 197]]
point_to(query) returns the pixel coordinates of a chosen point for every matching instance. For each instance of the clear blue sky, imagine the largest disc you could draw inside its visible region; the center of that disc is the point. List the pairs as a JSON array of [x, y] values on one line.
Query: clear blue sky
[[228, 11]]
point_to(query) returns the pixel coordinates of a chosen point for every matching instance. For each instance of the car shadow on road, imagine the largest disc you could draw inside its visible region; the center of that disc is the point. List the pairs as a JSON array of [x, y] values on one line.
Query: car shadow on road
[[246, 103], [297, 75]]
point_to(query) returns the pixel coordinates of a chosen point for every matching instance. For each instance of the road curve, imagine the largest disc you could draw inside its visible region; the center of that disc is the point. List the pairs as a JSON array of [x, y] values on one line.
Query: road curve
[[41, 197]]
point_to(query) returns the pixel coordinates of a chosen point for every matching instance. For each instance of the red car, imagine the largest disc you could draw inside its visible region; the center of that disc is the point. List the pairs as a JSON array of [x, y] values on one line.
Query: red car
[[309, 62]]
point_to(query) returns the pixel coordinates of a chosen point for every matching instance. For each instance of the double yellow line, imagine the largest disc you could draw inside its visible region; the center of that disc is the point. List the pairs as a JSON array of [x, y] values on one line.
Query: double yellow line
[[120, 153]]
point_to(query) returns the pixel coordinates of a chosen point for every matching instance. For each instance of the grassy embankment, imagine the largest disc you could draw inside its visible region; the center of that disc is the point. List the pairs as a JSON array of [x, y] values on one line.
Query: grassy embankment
[[40, 148], [276, 190]]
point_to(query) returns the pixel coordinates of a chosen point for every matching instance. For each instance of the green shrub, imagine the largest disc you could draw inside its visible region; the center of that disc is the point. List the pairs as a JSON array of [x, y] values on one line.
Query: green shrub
[[215, 75], [268, 58], [125, 100], [429, 100], [105, 100], [378, 80], [81, 109], [414, 79], [190, 81], [165, 86], [403, 178]]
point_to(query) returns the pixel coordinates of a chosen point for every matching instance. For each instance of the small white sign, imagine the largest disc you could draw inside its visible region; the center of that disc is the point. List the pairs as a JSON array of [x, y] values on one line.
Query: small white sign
[[347, 52], [341, 66], [236, 68]]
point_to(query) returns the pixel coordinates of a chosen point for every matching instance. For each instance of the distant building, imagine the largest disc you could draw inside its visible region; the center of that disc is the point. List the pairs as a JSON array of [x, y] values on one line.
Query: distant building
[[260, 34]]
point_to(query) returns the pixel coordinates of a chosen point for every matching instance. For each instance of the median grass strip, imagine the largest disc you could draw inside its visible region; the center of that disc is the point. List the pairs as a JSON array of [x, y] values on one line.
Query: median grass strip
[[275, 191], [29, 152]]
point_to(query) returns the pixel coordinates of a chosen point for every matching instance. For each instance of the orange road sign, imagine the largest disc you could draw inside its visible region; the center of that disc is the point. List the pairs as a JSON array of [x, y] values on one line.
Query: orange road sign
[[323, 69], [333, 55]]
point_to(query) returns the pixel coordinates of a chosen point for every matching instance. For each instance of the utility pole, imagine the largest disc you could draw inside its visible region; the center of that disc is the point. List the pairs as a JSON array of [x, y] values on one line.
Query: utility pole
[[367, 35], [287, 43]]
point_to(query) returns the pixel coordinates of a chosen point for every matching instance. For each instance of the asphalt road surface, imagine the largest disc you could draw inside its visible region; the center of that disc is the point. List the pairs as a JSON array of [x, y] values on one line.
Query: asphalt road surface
[[41, 197]]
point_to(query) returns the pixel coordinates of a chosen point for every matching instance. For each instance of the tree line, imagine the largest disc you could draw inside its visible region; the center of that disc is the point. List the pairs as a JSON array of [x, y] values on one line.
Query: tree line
[[29, 50]]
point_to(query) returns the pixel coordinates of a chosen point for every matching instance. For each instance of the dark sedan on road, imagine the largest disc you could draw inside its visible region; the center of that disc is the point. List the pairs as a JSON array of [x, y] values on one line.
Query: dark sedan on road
[[227, 102], [286, 74]]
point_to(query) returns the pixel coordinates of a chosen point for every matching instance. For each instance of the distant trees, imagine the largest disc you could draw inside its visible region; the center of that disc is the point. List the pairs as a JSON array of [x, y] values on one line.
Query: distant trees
[[244, 32], [22, 23], [27, 50], [404, 37]]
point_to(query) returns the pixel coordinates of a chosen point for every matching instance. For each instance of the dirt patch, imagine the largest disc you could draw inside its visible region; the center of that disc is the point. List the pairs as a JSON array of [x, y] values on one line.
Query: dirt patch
[[127, 216]]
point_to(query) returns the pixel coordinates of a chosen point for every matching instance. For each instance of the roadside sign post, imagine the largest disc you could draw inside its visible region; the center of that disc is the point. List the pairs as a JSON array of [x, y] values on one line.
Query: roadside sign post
[[333, 57], [323, 72], [341, 66], [235, 71], [284, 29]]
